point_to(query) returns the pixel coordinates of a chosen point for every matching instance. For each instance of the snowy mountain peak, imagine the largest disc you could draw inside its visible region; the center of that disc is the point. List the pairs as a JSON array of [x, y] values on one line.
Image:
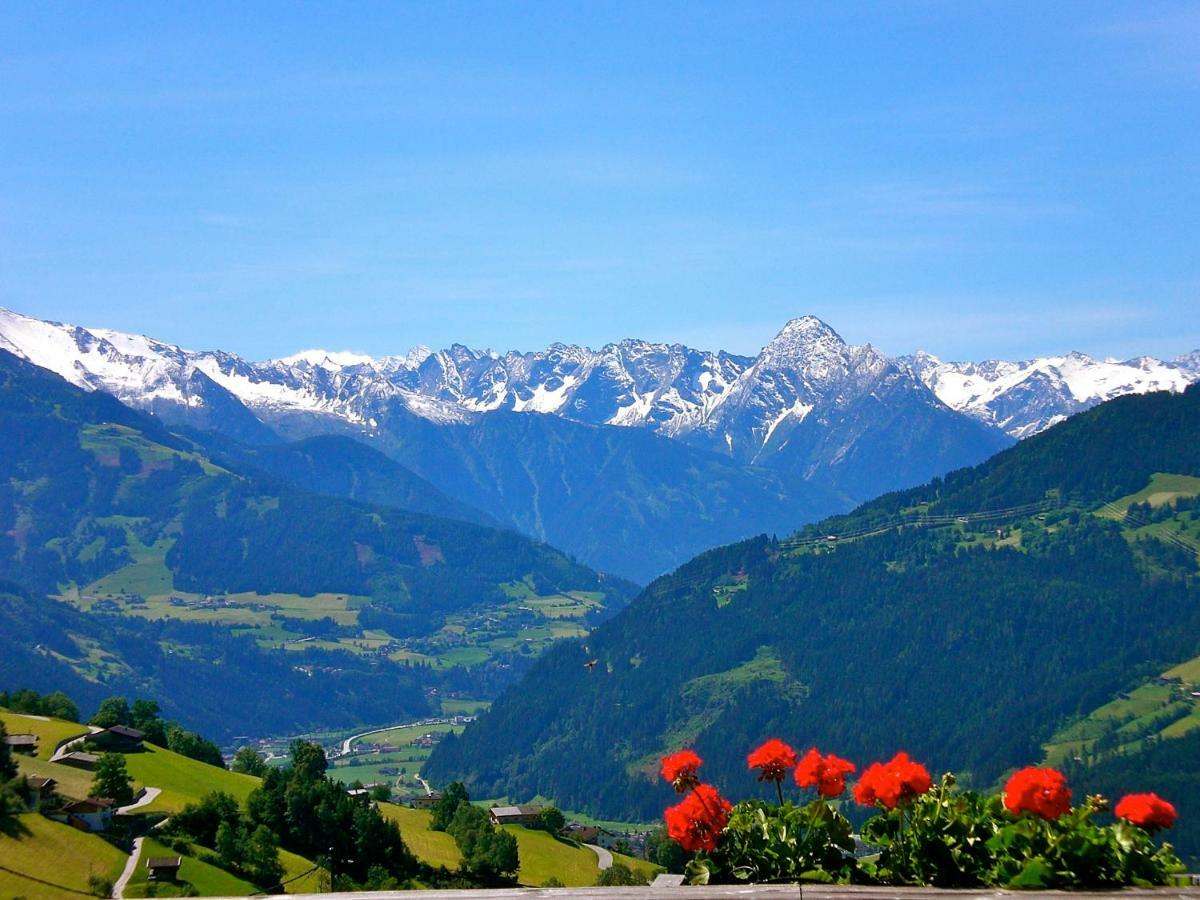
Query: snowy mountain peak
[[326, 359]]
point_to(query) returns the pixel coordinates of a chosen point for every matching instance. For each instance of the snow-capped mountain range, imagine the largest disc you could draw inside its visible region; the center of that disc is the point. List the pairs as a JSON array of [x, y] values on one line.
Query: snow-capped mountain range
[[739, 405]]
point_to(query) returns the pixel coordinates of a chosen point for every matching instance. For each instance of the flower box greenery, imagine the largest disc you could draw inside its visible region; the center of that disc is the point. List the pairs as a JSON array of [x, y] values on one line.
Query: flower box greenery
[[924, 834]]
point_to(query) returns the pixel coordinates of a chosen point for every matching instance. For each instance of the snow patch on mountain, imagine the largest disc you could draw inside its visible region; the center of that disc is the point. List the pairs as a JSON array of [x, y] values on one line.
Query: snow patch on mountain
[[1029, 396]]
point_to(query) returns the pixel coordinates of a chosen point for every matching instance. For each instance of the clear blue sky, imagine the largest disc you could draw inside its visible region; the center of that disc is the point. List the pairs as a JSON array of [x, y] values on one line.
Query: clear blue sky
[[977, 179]]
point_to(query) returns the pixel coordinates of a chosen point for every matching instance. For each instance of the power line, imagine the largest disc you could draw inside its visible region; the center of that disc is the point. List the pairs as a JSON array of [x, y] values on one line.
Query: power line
[[57, 887]]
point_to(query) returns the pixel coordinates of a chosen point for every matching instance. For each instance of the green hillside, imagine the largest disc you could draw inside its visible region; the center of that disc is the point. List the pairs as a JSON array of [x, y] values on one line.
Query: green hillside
[[60, 857], [196, 877], [965, 621]]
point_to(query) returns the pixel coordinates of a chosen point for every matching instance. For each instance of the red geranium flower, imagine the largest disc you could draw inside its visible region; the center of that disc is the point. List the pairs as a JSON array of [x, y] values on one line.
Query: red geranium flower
[[892, 782], [1043, 792], [697, 821], [1149, 812], [772, 759], [826, 773], [680, 769]]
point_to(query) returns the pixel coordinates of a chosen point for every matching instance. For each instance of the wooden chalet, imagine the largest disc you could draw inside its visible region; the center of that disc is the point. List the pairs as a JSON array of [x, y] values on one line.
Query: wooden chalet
[[426, 801], [41, 790], [22, 743], [163, 868], [77, 759], [516, 815], [118, 739]]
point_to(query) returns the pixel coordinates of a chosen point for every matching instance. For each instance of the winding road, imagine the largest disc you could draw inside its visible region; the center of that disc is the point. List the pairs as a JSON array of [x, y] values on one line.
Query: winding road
[[121, 883], [146, 799], [603, 858]]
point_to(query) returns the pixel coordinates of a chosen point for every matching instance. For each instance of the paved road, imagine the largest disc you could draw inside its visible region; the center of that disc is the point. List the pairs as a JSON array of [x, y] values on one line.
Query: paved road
[[74, 742], [118, 890], [603, 857], [145, 800]]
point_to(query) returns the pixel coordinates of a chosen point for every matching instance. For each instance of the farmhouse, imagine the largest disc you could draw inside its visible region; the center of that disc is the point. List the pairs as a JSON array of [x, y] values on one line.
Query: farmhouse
[[79, 760], [426, 801], [22, 743], [118, 739], [92, 814], [163, 868], [515, 815]]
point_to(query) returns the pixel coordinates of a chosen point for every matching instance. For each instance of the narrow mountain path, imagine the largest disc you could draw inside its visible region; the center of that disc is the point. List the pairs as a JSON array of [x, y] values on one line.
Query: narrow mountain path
[[603, 858], [66, 746], [118, 890], [145, 800]]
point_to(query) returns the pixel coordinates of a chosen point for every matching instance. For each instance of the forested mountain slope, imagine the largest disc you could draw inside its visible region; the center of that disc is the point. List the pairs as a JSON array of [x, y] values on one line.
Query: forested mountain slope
[[626, 500], [964, 636], [103, 507], [339, 466]]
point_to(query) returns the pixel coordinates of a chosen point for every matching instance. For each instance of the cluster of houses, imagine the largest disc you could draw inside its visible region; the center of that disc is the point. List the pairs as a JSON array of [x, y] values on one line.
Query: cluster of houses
[[529, 814], [90, 813]]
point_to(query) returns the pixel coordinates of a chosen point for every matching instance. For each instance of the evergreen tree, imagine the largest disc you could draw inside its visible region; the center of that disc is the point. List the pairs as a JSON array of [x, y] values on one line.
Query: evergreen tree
[[8, 765]]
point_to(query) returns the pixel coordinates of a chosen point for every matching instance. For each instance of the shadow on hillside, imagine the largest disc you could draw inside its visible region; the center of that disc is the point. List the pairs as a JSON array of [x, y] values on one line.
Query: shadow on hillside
[[11, 826]]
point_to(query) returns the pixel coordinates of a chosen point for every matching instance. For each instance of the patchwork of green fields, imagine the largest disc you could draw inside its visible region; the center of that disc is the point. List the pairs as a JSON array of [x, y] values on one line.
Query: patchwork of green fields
[[527, 624], [1162, 707]]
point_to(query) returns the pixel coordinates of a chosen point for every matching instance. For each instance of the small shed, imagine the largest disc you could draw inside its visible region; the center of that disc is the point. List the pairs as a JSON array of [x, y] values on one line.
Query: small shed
[[163, 868], [79, 760], [40, 790], [22, 743]]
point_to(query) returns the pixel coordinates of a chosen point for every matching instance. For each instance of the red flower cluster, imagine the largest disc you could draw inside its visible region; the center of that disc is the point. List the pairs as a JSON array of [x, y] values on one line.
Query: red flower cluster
[[826, 773], [892, 782], [772, 759], [1147, 811], [1043, 792], [680, 769], [698, 819]]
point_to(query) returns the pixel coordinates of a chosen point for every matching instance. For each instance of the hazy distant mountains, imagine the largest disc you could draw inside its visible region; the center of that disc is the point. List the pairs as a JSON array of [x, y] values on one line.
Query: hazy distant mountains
[[645, 453]]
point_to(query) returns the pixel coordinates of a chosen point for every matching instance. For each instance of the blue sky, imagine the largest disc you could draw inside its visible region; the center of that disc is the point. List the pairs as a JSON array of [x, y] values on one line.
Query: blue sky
[[976, 179]]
